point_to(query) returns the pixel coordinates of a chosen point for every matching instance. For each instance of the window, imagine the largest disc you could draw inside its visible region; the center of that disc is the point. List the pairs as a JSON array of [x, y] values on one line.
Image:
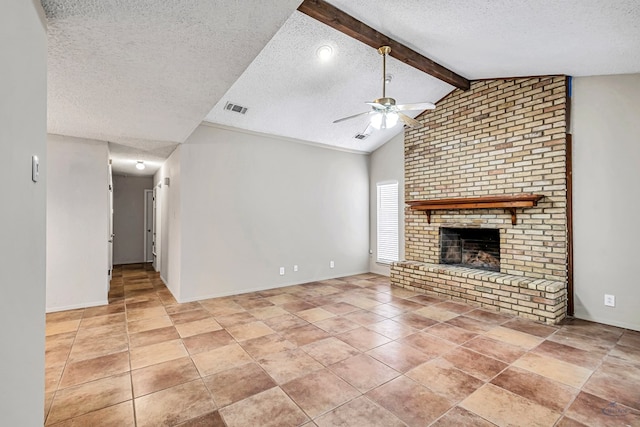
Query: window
[[387, 222]]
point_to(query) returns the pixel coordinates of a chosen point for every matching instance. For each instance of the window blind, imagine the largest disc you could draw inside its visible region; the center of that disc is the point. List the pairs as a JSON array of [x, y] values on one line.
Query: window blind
[[387, 223]]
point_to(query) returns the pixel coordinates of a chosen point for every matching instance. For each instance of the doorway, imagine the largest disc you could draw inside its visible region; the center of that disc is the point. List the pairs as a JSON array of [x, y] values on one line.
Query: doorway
[[149, 225]]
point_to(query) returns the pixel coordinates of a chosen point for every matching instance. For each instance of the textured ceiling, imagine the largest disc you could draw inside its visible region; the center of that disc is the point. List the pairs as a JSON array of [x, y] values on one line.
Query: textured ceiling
[[289, 91], [143, 74]]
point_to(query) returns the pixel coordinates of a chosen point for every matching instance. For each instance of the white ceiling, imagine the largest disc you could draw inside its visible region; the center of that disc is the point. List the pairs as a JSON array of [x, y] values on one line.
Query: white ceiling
[[142, 74]]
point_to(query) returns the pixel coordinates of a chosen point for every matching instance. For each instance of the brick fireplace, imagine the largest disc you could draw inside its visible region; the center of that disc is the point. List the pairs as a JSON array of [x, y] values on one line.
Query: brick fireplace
[[501, 138]]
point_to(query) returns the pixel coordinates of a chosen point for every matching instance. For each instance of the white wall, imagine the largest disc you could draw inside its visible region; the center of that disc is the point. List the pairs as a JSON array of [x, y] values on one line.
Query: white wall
[[128, 218], [23, 112], [606, 175], [168, 232], [77, 222], [387, 164], [253, 203]]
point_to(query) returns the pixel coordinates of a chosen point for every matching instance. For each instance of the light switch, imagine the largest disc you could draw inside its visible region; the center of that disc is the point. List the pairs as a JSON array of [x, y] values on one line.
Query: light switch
[[35, 168]]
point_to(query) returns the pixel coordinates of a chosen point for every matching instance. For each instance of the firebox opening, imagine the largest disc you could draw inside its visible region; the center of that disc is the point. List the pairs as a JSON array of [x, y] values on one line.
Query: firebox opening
[[470, 247]]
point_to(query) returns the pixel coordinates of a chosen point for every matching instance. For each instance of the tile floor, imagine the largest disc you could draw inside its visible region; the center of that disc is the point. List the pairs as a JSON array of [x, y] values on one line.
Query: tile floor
[[345, 352]]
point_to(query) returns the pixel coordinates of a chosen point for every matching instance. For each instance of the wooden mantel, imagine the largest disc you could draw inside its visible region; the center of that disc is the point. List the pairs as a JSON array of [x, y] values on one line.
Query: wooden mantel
[[508, 201]]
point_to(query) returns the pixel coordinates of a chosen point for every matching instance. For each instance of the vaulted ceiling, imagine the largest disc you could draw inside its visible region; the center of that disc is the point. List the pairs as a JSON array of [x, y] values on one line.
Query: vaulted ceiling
[[143, 74]]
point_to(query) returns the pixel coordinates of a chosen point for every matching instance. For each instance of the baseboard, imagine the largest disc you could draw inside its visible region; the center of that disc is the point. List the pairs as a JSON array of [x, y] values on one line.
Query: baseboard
[[624, 325], [76, 306], [262, 288]]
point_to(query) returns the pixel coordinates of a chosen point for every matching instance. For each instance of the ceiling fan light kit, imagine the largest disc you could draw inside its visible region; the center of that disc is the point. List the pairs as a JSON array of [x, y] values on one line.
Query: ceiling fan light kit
[[384, 113]]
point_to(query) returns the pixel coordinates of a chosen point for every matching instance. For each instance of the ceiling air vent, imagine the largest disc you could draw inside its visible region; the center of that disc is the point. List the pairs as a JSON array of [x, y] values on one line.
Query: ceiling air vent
[[362, 136], [235, 108]]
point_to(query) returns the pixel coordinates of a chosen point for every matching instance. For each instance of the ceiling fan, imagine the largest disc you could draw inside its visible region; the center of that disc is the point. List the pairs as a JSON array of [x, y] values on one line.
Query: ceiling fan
[[384, 111]]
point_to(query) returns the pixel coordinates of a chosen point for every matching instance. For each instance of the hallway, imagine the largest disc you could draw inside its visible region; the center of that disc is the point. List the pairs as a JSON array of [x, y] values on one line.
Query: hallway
[[349, 351]]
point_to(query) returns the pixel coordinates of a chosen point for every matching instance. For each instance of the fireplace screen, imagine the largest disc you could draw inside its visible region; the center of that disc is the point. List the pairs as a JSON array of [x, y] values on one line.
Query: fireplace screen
[[470, 247]]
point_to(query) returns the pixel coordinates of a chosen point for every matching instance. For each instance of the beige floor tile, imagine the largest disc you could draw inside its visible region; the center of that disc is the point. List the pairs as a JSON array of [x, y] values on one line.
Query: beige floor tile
[[319, 392], [220, 359], [594, 411], [507, 409], [207, 341], [186, 401], [268, 344], [330, 350], [500, 350], [460, 417], [427, 344], [157, 353], [120, 415], [450, 333], [616, 380], [392, 329], [435, 313], [539, 389], [52, 375], [357, 413], [197, 327], [105, 320], [406, 400], [54, 328], [364, 317], [63, 316], [93, 369], [337, 325], [289, 365], [475, 364], [163, 375], [511, 336], [153, 336], [451, 350], [238, 383], [259, 410], [98, 345], [149, 324], [212, 419], [250, 330], [441, 377], [364, 372], [145, 313], [314, 314], [400, 357], [189, 315], [303, 335], [566, 373], [268, 312], [88, 397], [363, 339]]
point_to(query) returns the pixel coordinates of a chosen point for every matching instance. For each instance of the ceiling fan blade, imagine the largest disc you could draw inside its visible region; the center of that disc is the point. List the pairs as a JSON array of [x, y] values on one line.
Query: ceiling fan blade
[[376, 105], [409, 121], [352, 117], [418, 106]]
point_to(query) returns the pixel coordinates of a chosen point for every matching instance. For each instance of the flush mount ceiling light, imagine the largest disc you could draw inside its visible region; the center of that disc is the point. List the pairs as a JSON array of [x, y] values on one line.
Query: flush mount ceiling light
[[140, 165], [324, 52]]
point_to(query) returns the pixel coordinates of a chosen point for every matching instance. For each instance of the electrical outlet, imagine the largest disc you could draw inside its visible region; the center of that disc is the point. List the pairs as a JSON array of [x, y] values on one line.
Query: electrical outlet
[[609, 300], [331, 264], [282, 271], [295, 268]]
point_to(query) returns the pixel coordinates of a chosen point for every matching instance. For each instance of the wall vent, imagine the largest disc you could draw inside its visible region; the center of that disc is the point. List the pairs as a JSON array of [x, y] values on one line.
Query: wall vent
[[235, 108], [361, 136]]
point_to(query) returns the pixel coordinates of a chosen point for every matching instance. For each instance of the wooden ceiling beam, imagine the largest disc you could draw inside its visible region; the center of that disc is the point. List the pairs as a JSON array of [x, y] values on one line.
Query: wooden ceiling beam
[[324, 12]]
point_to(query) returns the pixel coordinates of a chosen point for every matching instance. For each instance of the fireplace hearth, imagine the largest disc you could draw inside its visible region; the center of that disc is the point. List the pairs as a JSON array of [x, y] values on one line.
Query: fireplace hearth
[[470, 247]]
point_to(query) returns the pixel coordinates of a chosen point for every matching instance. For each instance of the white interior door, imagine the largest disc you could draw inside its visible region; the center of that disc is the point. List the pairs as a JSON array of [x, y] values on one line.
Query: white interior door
[[110, 231], [157, 229], [148, 225]]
